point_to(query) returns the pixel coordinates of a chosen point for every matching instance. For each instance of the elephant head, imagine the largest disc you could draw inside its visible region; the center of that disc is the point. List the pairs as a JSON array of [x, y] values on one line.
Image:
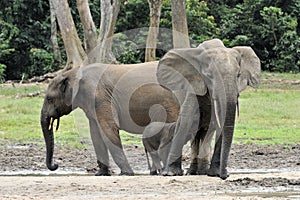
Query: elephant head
[[57, 102], [220, 71]]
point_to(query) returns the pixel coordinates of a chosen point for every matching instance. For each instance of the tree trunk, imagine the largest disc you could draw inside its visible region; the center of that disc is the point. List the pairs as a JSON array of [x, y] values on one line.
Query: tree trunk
[[109, 14], [56, 52], [155, 9], [90, 32], [179, 24], [74, 49]]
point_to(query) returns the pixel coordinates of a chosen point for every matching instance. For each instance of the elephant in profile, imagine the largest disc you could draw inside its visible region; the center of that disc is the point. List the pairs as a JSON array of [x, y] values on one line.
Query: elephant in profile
[[157, 138], [113, 97], [215, 73]]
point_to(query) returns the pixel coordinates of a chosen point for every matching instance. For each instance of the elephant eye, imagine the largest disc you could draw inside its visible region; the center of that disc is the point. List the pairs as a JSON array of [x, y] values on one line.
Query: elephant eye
[[239, 74], [50, 100]]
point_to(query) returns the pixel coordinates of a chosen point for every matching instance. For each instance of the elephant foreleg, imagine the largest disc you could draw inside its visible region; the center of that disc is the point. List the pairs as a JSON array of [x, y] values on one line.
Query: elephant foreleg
[[186, 125], [100, 149], [204, 155], [109, 129], [194, 155], [214, 169]]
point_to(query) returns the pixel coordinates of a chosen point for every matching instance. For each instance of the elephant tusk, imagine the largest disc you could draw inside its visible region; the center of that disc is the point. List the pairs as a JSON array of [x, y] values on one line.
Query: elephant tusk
[[57, 124], [51, 123], [238, 108], [216, 113]]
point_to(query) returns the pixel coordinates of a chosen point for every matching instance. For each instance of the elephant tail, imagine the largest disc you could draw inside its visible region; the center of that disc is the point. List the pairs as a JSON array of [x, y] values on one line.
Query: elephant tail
[[148, 162]]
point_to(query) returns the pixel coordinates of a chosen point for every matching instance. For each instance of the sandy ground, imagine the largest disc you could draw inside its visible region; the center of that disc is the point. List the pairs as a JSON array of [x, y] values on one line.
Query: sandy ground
[[250, 186], [257, 172]]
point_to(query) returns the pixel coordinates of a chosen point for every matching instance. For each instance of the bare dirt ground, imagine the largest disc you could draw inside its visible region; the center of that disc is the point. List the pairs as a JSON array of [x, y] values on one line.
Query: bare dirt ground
[[257, 172]]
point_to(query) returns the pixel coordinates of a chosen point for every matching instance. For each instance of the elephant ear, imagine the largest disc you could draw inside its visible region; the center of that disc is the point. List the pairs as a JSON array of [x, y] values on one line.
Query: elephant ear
[[67, 85], [66, 90], [250, 69], [177, 70], [195, 71]]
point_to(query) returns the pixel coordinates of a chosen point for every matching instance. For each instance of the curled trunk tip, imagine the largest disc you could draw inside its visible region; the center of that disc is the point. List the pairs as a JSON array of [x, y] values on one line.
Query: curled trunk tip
[[47, 128]]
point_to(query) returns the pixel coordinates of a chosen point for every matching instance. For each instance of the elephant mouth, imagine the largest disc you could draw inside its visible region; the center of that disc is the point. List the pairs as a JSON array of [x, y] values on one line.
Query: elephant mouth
[[52, 119]]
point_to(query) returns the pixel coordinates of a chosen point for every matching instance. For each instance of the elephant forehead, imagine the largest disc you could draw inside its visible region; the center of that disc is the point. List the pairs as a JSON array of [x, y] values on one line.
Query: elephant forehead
[[224, 59]]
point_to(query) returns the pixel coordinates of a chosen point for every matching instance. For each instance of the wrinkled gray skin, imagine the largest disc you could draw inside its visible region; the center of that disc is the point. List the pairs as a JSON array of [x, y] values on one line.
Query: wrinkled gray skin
[[113, 97], [157, 138], [210, 71]]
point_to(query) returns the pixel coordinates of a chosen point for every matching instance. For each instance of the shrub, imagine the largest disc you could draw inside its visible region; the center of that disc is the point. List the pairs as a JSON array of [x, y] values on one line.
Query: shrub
[[2, 70], [41, 62]]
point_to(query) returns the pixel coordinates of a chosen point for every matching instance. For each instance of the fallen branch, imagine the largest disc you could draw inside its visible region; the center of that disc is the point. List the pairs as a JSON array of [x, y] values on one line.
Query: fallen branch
[[34, 94]]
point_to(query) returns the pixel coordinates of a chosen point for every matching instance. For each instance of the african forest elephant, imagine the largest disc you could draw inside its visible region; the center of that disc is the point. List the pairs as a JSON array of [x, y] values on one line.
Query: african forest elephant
[[157, 138], [219, 74], [113, 97]]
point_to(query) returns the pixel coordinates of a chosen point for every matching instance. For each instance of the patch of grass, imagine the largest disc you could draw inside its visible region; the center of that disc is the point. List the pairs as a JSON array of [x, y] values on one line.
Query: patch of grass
[[16, 89], [268, 115], [131, 139]]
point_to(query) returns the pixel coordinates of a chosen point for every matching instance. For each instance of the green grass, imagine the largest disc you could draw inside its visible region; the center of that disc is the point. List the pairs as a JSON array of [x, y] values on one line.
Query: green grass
[[268, 115], [264, 120]]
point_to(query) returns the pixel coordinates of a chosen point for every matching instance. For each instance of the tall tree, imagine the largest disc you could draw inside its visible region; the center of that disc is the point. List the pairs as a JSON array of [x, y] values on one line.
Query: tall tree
[[155, 10], [89, 28], [109, 14], [97, 48], [179, 24], [74, 49], [54, 42]]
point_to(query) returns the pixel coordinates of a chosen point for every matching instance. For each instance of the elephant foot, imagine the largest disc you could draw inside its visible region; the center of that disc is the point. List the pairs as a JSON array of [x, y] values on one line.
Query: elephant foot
[[215, 172], [173, 169], [203, 167], [103, 173], [153, 172], [224, 174], [103, 170], [193, 168], [126, 173], [173, 172]]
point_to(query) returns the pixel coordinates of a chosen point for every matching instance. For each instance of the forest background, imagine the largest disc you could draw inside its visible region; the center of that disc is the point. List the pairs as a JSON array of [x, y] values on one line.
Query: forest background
[[271, 28]]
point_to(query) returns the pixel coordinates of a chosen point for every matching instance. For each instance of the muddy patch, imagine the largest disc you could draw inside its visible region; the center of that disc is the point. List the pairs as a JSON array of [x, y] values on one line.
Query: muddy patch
[[265, 182], [243, 158]]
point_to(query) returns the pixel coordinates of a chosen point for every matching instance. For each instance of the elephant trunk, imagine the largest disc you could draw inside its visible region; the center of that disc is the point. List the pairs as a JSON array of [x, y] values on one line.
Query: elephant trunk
[[49, 140], [227, 137]]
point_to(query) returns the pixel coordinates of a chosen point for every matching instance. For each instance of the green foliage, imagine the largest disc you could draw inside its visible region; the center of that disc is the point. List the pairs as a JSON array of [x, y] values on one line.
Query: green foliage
[[7, 33], [166, 15], [2, 70], [41, 62], [133, 14], [125, 50], [28, 27], [279, 32], [270, 28], [201, 25]]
